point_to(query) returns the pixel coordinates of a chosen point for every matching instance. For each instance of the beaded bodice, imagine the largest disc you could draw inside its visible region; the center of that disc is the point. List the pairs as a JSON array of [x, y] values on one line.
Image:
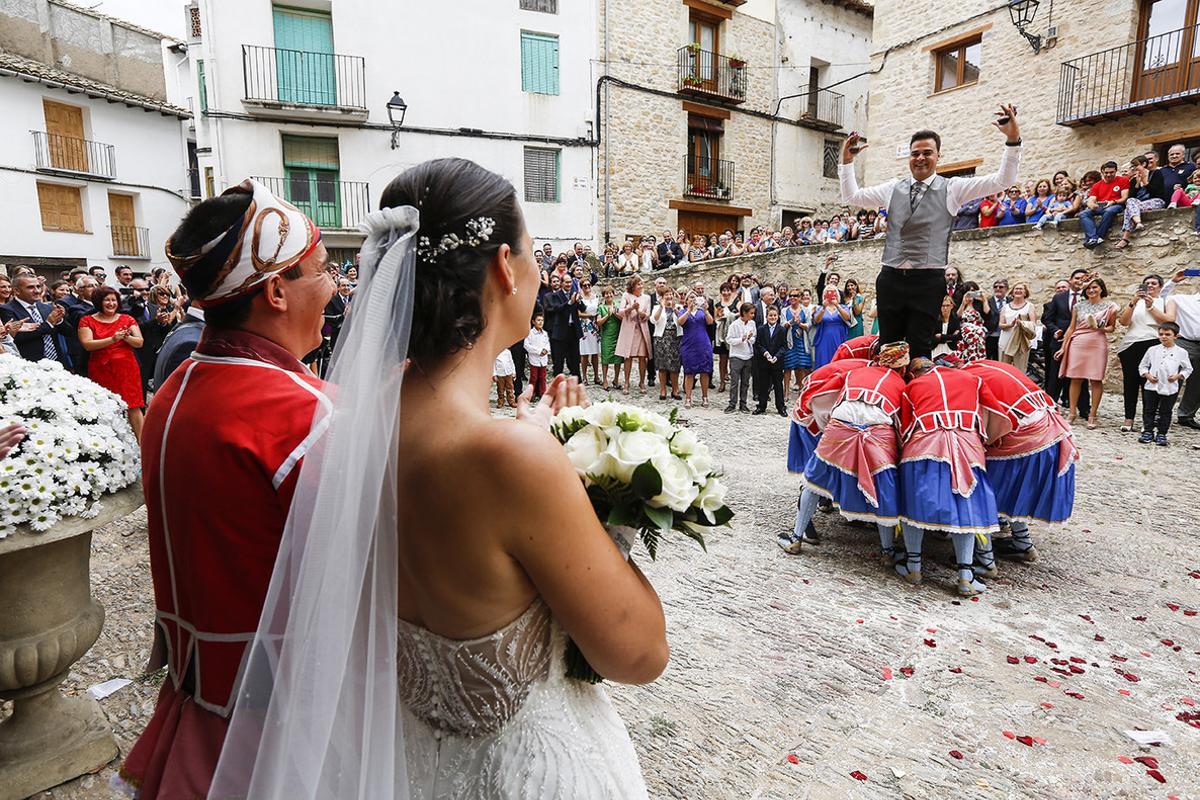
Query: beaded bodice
[[473, 687]]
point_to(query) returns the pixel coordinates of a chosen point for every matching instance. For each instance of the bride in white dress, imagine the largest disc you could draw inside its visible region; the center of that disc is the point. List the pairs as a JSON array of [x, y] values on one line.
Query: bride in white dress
[[436, 558]]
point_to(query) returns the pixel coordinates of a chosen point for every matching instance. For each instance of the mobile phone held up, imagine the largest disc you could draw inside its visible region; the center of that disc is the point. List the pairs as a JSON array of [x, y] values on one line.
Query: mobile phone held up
[[857, 147], [1191, 273]]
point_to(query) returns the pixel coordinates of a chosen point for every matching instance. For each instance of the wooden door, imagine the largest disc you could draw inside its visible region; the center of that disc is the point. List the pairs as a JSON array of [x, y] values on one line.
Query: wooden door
[[316, 192], [696, 222], [64, 136], [706, 33], [124, 226], [304, 58], [61, 207], [1167, 60]]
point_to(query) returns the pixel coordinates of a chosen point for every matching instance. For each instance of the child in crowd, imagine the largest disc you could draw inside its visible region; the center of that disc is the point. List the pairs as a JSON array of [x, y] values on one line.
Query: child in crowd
[[1059, 207], [503, 373], [537, 348], [1185, 196], [1164, 367]]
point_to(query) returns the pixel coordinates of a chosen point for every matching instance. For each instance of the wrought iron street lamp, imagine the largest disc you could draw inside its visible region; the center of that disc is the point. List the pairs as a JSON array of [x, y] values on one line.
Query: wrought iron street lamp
[[1022, 13], [396, 107]]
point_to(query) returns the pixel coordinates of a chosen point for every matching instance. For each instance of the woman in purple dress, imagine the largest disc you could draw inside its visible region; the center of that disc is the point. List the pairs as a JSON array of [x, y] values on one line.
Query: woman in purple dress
[[695, 349], [832, 324]]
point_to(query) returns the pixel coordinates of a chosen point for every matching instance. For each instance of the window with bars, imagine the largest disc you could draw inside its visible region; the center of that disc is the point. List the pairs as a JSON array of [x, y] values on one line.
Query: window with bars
[[545, 6], [539, 63], [541, 175], [832, 155]]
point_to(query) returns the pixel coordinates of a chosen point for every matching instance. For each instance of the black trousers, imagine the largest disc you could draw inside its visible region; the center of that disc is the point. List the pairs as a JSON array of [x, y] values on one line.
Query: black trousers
[[565, 350], [909, 304], [1156, 411], [1132, 381], [770, 380], [518, 357], [1057, 386], [992, 348]]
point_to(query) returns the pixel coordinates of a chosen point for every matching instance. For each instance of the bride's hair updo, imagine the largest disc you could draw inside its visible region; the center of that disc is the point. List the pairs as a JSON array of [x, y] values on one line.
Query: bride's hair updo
[[449, 193]]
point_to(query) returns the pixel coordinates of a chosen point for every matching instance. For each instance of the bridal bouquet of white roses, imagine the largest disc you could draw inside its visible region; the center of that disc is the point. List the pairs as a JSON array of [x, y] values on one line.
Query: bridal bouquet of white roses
[[645, 475], [79, 445]]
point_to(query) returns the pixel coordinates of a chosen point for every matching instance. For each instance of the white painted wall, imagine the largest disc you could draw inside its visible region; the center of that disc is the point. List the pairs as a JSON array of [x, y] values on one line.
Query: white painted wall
[[149, 152], [455, 64], [812, 32]]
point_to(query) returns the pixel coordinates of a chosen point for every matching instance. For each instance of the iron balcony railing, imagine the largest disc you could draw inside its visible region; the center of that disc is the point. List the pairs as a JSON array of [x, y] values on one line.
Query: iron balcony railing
[[823, 108], [1133, 78], [130, 241], [709, 177], [297, 77], [705, 73], [328, 202], [58, 153]]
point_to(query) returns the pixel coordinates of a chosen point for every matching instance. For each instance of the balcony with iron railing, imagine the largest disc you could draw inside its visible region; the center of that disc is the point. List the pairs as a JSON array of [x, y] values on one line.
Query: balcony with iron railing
[[333, 204], [822, 109], [708, 177], [130, 241], [55, 152], [278, 80], [1134, 78], [711, 75]]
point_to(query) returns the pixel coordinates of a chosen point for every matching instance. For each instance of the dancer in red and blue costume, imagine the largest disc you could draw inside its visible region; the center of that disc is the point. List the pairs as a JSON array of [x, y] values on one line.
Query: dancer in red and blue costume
[[858, 347]]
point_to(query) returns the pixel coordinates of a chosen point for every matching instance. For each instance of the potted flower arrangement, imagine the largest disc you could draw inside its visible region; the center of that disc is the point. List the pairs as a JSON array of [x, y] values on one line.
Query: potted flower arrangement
[[76, 470]]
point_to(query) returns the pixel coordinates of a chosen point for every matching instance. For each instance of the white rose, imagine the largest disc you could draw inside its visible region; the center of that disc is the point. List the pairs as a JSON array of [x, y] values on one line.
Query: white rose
[[701, 464], [584, 449], [629, 450], [684, 442], [711, 498], [679, 490], [602, 414], [568, 415]]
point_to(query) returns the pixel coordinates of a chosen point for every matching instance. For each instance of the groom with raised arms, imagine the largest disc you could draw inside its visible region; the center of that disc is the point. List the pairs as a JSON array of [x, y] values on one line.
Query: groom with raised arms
[[221, 450], [920, 212]]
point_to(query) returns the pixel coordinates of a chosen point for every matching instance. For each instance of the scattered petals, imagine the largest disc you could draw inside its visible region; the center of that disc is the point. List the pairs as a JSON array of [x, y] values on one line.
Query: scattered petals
[[887, 673], [1013, 660], [907, 671], [1041, 679], [1009, 734], [1138, 619], [1098, 638], [1173, 606], [1031, 659], [1039, 740], [1158, 776], [956, 670], [1187, 701], [1167, 642], [1076, 695], [1026, 740], [1125, 692], [858, 776], [1047, 705], [930, 643], [956, 754], [793, 758], [1149, 761]]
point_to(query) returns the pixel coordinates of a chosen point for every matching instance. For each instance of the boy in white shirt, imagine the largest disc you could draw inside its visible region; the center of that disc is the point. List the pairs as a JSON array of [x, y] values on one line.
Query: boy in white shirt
[[1164, 367], [740, 338], [537, 347], [503, 373]]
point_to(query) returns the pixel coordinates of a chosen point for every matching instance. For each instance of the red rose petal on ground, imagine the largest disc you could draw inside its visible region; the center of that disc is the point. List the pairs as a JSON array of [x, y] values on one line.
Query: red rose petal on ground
[[1047, 705], [906, 672], [956, 670], [1173, 606], [1026, 740], [1125, 759], [1036, 638], [1059, 661], [1076, 695], [1077, 670], [1039, 740], [1189, 613], [1078, 660], [1167, 642], [974, 599], [1118, 658], [1009, 734], [1158, 776], [1129, 676], [1031, 659], [1138, 619], [930, 643], [887, 673], [859, 621], [1125, 692], [793, 758], [1012, 660], [1098, 638], [1149, 761], [956, 754], [858, 776], [1085, 616], [1052, 645], [1086, 530], [1053, 684], [1190, 717], [1041, 679], [1187, 701], [931, 630]]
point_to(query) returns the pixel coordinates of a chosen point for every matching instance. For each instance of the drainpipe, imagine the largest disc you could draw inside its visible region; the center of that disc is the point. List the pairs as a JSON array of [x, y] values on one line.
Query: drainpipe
[[607, 152]]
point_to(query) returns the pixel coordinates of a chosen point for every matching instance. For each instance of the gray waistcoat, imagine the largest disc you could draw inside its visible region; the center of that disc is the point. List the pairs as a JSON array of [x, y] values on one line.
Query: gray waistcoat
[[921, 236]]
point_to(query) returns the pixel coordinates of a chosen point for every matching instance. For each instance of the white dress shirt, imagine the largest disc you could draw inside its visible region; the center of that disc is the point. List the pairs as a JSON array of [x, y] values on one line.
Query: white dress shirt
[[1187, 311], [959, 190], [739, 330], [535, 343], [1162, 363]]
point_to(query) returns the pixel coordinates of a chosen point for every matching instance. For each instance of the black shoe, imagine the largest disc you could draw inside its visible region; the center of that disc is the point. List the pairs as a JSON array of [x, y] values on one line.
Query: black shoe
[[1189, 422], [730, 409], [758, 411], [1161, 441], [744, 409], [782, 413], [825, 505], [1146, 438]]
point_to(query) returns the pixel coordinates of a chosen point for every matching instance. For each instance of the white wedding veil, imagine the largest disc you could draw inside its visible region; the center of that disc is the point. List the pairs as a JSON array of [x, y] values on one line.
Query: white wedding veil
[[317, 713]]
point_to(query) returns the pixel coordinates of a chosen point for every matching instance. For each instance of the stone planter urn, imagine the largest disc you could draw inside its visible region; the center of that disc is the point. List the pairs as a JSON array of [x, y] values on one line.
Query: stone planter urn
[[48, 620]]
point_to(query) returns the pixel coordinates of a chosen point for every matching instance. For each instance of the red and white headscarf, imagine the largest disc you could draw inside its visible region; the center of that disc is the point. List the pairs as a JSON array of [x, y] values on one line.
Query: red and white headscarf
[[271, 237]]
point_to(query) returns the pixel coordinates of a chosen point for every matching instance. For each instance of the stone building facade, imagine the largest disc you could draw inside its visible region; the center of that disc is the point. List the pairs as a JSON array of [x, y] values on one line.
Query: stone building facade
[[1108, 85], [689, 120]]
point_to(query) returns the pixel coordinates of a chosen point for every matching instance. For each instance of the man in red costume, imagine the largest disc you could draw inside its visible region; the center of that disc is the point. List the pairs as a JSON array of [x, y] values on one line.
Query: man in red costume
[[221, 451], [858, 347]]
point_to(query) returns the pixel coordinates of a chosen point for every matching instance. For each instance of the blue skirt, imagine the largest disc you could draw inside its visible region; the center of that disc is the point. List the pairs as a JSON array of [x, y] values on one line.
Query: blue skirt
[[843, 489], [927, 501], [1029, 488], [801, 445]]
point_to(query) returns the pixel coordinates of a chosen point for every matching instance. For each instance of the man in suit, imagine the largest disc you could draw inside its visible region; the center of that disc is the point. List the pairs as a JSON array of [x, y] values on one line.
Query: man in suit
[[561, 309], [77, 306], [669, 251], [1056, 318], [42, 334], [336, 308], [768, 354]]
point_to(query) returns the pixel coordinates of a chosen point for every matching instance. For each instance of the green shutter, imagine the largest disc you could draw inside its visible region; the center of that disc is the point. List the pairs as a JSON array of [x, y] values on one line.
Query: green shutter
[[539, 63], [310, 151], [203, 86], [304, 61]]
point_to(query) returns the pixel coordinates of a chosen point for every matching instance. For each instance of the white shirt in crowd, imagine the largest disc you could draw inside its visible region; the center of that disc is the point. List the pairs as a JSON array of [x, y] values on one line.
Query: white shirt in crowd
[[1187, 311], [741, 338], [504, 365], [1162, 363], [535, 343]]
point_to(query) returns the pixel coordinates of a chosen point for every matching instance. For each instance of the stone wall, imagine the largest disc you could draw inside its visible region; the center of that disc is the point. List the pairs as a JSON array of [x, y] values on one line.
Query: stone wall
[[1040, 258], [902, 97]]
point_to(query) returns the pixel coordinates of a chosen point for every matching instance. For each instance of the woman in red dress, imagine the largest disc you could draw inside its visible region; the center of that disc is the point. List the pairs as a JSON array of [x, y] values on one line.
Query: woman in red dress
[[110, 337]]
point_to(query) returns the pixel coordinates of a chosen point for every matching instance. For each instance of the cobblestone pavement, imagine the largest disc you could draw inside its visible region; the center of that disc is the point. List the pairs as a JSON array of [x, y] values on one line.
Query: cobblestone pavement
[[778, 684]]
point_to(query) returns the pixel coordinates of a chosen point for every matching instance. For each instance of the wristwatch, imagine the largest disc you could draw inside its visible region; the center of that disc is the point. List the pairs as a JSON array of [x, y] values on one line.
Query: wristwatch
[[1017, 143]]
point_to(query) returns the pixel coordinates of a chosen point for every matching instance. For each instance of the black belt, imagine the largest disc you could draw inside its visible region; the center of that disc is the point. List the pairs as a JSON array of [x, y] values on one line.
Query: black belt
[[911, 270]]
